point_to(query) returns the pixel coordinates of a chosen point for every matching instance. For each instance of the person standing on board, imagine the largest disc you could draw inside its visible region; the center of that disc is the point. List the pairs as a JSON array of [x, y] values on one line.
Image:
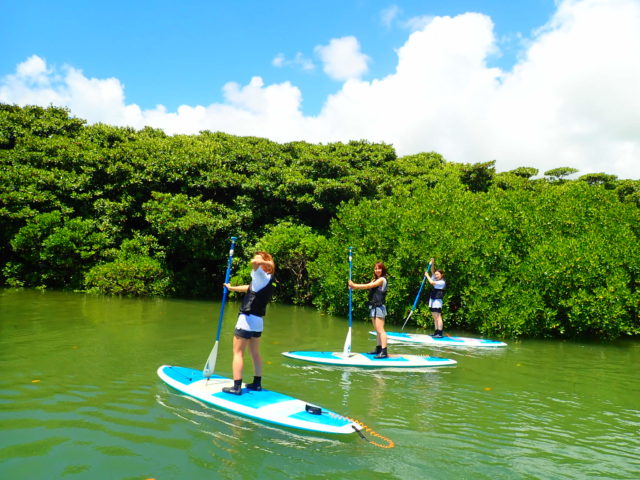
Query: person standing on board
[[377, 310], [250, 324], [436, 294]]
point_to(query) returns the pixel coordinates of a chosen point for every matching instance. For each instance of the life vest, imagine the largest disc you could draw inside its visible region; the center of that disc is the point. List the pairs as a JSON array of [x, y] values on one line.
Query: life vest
[[255, 303], [437, 293], [377, 295]]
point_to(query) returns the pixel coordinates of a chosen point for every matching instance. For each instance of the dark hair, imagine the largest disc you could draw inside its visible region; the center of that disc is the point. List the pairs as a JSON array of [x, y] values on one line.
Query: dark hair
[[441, 272], [384, 269]]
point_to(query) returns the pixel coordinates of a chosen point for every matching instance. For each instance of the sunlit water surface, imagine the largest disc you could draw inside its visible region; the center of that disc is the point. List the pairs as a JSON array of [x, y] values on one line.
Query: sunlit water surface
[[80, 398]]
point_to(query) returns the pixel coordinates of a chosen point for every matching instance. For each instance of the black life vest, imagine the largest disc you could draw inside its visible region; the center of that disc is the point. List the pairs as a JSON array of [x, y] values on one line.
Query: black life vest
[[378, 295], [255, 303], [437, 293]]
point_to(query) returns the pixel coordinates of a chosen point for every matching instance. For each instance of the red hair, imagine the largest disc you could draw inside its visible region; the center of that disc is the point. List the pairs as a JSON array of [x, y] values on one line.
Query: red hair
[[270, 268]]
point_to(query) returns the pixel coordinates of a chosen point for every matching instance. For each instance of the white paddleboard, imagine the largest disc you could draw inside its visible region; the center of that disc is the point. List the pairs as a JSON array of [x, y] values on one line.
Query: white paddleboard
[[367, 360], [264, 405], [446, 341]]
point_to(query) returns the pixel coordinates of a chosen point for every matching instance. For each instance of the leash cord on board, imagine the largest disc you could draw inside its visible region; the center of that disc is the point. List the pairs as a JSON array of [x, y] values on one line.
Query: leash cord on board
[[370, 431]]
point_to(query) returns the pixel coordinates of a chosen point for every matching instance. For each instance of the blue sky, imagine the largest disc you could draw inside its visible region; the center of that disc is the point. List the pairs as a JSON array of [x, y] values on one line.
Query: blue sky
[[333, 70], [174, 53]]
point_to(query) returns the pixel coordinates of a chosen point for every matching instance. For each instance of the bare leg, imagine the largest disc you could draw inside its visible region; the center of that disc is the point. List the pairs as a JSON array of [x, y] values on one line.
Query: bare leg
[[239, 346], [254, 350], [378, 324], [437, 320], [373, 323]]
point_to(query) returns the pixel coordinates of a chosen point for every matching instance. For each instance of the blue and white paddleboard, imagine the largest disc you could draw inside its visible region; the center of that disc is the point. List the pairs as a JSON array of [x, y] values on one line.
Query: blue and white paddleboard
[[367, 360], [420, 339], [264, 405]]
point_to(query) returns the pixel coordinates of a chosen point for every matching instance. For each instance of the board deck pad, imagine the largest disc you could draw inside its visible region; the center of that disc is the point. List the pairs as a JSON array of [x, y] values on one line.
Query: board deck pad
[[368, 360], [421, 339], [265, 405]]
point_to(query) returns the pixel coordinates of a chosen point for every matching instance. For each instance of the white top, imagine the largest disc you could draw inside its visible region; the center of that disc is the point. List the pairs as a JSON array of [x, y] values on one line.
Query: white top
[[439, 284], [259, 279], [253, 323]]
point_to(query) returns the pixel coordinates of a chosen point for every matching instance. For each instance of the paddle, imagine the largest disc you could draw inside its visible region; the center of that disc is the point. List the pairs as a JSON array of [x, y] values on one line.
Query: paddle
[[347, 343], [415, 302], [211, 361]]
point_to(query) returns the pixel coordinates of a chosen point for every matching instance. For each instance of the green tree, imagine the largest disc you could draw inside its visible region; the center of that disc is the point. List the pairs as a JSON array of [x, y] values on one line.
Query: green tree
[[607, 181], [524, 172], [55, 249], [517, 262], [293, 247], [138, 269], [559, 174], [479, 176], [193, 232]]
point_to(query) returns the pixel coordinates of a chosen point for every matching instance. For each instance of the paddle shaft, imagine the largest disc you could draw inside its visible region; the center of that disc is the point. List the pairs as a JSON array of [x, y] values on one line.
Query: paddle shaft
[[350, 290], [415, 302], [347, 342], [225, 292], [210, 365]]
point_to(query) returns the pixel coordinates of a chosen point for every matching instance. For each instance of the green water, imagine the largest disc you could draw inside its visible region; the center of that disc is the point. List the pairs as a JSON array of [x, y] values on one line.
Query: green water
[[79, 398]]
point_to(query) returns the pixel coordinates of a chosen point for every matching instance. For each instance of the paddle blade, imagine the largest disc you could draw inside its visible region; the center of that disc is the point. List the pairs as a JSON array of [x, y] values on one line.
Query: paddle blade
[[407, 319], [347, 343], [210, 366]]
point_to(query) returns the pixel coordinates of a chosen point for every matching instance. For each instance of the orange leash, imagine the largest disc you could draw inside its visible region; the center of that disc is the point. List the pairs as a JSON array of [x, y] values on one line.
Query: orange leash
[[370, 431]]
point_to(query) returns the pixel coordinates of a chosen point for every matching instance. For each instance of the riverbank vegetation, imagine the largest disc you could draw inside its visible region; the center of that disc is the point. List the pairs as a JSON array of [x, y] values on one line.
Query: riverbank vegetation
[[115, 210]]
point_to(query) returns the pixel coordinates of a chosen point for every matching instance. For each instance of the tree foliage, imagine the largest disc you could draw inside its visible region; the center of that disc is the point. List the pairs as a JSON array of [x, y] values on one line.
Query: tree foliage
[[555, 261], [137, 212], [293, 247]]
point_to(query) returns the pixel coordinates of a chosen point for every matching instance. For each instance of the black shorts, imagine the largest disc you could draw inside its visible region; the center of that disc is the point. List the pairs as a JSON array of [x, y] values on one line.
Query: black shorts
[[437, 310], [240, 333]]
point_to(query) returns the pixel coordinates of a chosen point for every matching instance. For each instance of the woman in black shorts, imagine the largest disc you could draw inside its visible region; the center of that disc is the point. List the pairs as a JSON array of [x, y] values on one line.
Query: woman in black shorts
[[250, 320]]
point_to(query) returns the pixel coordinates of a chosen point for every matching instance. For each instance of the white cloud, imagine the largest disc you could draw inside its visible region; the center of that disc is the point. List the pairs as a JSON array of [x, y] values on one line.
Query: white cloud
[[343, 59], [299, 60], [303, 62], [36, 84], [279, 60], [418, 23], [572, 100], [575, 96], [389, 14], [34, 69]]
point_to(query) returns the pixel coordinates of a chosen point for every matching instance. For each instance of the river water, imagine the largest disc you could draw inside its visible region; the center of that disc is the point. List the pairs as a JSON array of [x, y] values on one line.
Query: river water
[[80, 398]]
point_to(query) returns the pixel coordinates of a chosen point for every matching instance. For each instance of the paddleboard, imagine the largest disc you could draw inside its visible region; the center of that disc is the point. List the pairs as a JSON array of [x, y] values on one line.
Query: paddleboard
[[367, 360], [420, 339], [264, 405]]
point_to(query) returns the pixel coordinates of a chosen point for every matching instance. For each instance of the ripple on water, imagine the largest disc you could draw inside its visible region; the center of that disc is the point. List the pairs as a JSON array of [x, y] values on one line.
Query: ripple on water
[[537, 409]]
